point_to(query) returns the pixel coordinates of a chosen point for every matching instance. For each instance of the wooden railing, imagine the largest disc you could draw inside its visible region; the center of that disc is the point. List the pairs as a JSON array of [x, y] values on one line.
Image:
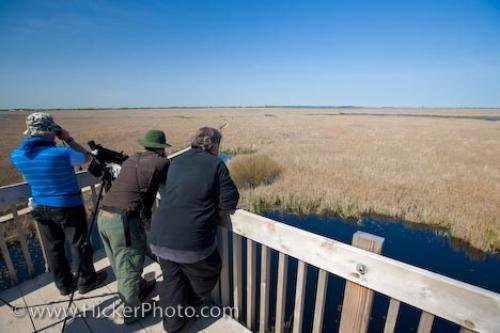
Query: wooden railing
[[472, 308], [366, 273]]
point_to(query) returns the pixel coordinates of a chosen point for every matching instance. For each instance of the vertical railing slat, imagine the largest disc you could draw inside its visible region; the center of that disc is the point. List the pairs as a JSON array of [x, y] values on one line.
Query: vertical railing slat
[[215, 294], [265, 276], [392, 316], [426, 321], [298, 313], [281, 293], [358, 300], [43, 244], [251, 281], [225, 288], [237, 276], [319, 305], [6, 255], [21, 237]]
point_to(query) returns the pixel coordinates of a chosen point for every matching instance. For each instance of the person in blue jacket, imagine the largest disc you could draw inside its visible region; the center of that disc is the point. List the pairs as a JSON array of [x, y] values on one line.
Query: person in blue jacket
[[49, 171]]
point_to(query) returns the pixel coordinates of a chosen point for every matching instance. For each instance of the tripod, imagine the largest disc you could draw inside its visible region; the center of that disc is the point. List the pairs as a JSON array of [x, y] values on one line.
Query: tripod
[[106, 179]]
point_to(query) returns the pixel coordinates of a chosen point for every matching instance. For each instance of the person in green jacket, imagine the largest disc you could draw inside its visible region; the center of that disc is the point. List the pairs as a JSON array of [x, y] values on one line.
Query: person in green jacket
[[124, 214]]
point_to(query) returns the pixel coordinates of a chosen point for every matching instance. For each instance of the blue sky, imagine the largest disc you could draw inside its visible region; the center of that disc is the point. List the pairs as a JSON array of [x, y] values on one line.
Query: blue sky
[[195, 53]]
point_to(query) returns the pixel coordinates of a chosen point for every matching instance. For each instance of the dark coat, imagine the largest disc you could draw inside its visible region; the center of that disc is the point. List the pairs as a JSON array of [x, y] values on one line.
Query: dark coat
[[137, 184], [198, 187]]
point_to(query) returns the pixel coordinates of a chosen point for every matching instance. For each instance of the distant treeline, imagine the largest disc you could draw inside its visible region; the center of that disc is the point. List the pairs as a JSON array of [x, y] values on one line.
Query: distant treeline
[[194, 107], [247, 107]]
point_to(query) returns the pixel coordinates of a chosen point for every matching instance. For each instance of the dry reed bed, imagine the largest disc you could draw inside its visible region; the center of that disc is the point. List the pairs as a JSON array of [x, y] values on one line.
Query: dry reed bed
[[437, 171]]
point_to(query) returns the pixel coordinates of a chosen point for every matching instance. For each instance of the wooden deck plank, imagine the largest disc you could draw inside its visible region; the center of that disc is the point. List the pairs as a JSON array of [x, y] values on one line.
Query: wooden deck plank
[[21, 321], [98, 312], [225, 324], [108, 304], [42, 290], [152, 323]]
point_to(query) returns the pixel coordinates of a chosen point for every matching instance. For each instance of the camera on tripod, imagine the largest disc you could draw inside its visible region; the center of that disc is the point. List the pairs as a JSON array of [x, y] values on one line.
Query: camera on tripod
[[105, 162]]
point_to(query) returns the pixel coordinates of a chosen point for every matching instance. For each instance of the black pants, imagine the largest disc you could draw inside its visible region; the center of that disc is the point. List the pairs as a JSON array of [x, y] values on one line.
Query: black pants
[[60, 224], [186, 285]]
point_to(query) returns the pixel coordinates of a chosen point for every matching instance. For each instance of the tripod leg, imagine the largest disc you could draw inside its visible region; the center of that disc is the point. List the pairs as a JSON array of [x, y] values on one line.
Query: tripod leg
[[85, 243], [12, 307]]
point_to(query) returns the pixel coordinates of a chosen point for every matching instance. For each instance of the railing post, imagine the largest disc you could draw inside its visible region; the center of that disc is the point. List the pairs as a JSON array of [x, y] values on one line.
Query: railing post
[[251, 282], [300, 297], [265, 280], [358, 300], [237, 276], [225, 288], [392, 316], [426, 321], [215, 294], [281, 293], [319, 305]]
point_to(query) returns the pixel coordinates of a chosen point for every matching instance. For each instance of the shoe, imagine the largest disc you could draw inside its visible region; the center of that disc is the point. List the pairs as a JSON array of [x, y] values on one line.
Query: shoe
[[183, 325], [95, 283], [67, 291], [146, 287], [68, 287], [200, 301], [133, 314]]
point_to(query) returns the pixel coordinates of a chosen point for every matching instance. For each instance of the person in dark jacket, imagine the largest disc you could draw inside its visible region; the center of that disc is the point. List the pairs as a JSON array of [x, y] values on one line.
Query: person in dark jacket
[[124, 213], [198, 191]]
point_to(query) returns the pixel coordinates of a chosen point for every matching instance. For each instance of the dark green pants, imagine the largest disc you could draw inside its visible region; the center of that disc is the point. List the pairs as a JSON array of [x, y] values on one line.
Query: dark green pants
[[127, 261]]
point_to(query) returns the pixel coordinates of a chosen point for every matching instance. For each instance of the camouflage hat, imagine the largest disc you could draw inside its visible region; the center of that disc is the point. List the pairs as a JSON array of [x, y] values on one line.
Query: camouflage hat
[[40, 122]]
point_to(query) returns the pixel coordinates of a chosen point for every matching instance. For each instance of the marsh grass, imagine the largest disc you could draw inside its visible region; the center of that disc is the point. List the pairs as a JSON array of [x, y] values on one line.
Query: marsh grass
[[439, 171], [240, 150], [251, 171]]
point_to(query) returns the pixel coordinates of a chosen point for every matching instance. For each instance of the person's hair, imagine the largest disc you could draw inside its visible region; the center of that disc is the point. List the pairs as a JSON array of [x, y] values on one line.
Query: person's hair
[[206, 138]]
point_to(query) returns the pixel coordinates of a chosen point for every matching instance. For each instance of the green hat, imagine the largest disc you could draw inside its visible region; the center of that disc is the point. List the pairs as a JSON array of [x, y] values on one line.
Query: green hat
[[155, 139], [40, 122]]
